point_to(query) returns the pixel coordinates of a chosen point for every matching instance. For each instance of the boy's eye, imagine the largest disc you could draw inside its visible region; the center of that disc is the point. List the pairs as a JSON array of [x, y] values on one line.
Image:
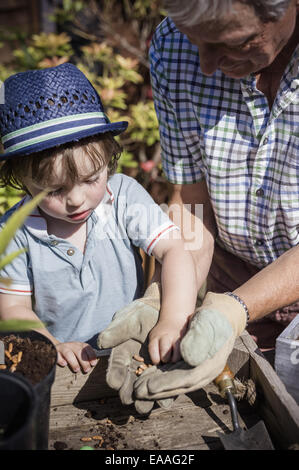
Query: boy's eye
[[56, 192], [92, 180]]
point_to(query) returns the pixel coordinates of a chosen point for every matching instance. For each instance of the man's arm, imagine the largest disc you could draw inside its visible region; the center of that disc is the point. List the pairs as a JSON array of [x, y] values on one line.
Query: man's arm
[[274, 287]]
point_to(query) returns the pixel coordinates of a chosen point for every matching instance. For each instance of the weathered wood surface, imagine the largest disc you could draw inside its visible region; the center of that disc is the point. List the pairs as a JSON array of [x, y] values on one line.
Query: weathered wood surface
[[287, 358], [81, 404], [191, 423], [69, 387], [276, 406]]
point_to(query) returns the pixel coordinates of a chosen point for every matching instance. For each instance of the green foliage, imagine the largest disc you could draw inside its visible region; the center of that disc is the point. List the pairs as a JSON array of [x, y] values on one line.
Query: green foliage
[[17, 325], [6, 234], [8, 198], [13, 223], [117, 46], [43, 47], [126, 160], [144, 125], [67, 12], [114, 57]]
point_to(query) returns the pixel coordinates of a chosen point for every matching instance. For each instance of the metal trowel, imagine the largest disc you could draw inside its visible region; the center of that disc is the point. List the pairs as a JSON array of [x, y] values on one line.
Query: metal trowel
[[255, 438]]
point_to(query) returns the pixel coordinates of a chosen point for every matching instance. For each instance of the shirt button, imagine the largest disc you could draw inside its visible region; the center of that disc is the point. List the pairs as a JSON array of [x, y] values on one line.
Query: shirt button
[[260, 192], [54, 242], [266, 140], [70, 251], [259, 242]]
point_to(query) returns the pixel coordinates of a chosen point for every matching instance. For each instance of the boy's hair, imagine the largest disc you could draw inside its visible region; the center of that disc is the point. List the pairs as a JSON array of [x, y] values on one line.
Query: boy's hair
[[101, 150]]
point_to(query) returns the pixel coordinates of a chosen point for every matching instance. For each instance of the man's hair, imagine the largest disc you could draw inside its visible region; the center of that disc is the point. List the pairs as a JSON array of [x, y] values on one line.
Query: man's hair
[[101, 150], [193, 12]]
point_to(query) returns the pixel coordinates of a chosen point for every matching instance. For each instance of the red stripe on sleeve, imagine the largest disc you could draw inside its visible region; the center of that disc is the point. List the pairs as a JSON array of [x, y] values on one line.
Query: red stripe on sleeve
[[159, 234]]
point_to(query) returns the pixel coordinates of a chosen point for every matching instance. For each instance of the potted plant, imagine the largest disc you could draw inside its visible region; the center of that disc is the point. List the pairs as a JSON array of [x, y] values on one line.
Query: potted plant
[[29, 369]]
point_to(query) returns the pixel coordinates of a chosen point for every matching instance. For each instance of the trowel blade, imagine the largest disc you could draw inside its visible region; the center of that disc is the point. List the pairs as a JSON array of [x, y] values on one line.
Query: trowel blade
[[255, 438]]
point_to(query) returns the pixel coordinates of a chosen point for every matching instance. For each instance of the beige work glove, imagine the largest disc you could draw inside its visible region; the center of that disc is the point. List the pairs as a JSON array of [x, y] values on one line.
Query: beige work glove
[[205, 349], [127, 336]]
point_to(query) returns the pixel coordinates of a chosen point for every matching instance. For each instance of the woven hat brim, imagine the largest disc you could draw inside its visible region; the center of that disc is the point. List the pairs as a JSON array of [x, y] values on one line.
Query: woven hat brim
[[115, 128]]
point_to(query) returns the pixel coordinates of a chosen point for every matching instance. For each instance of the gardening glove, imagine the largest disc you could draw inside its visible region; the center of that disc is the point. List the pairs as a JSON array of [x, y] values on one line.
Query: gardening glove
[[127, 336], [205, 349]]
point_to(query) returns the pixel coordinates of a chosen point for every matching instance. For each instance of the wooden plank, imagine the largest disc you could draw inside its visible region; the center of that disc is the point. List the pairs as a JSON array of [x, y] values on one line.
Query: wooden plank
[[276, 406], [238, 360], [69, 387], [191, 423]]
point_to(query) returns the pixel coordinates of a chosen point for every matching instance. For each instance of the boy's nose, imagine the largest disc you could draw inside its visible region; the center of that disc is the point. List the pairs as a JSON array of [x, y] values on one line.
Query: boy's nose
[[75, 197]]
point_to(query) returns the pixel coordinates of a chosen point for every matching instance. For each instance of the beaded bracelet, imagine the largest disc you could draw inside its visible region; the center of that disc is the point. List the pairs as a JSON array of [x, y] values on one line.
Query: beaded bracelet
[[235, 296]]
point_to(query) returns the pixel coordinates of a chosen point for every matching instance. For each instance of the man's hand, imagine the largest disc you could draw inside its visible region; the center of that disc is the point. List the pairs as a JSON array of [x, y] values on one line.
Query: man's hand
[[205, 349]]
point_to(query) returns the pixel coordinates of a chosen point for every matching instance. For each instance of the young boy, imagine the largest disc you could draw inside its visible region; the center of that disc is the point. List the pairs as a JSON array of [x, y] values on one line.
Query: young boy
[[82, 262]]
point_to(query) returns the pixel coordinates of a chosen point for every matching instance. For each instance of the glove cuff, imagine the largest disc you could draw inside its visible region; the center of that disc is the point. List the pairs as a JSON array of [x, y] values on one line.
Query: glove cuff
[[229, 306], [152, 295]]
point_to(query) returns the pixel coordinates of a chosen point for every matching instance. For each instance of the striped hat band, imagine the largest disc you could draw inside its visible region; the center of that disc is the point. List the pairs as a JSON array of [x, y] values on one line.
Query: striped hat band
[[51, 129]]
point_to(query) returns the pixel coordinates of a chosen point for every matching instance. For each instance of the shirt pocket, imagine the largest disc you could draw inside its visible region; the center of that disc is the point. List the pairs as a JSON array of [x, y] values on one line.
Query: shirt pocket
[[292, 156], [289, 184]]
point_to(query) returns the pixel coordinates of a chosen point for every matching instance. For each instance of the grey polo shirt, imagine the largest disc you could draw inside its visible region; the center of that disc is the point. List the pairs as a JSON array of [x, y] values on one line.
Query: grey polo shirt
[[76, 294]]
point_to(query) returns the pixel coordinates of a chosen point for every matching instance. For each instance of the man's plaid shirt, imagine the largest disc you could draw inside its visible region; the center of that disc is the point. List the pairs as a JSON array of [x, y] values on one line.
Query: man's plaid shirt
[[223, 130]]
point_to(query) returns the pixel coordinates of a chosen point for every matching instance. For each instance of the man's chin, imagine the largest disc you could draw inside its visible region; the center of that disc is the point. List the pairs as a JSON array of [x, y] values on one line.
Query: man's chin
[[241, 70], [237, 72]]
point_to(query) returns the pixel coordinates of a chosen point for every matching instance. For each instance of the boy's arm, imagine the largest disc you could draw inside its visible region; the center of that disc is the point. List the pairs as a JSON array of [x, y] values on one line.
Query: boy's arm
[[20, 307], [179, 294], [75, 354]]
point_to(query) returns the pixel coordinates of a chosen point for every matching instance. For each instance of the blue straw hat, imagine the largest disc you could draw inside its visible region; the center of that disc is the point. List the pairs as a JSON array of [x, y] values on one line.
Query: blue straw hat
[[49, 107]]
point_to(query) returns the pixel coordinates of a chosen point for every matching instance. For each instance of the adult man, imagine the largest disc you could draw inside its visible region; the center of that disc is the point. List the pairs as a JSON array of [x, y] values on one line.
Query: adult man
[[225, 81]]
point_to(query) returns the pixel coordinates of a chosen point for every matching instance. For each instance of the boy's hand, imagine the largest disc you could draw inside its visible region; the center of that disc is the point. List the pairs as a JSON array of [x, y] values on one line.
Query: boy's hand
[[164, 342], [77, 355]]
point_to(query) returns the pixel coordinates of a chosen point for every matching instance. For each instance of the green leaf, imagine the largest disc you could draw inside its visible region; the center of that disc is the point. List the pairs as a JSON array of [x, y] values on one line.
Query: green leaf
[[20, 325], [9, 258], [17, 219]]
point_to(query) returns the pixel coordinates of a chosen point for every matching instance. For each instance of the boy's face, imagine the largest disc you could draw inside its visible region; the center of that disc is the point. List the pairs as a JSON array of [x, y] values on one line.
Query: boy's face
[[72, 203]]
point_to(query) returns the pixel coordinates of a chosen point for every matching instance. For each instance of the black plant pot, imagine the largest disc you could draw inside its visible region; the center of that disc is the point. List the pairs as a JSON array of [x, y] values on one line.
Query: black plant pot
[[42, 390], [18, 406]]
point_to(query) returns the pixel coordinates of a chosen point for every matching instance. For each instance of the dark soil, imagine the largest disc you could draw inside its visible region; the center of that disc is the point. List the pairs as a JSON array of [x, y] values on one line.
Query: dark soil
[[37, 359], [102, 436]]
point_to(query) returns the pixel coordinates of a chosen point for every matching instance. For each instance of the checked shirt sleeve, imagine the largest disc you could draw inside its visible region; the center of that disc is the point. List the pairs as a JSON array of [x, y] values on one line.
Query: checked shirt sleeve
[[179, 142]]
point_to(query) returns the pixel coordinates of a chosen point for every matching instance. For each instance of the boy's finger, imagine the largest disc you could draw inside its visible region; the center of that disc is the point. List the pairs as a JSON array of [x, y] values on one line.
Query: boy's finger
[[60, 360], [72, 361], [84, 362], [154, 352], [165, 350]]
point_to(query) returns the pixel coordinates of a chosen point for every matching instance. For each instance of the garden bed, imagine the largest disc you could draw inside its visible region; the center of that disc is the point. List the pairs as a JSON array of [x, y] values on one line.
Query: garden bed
[[85, 411]]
